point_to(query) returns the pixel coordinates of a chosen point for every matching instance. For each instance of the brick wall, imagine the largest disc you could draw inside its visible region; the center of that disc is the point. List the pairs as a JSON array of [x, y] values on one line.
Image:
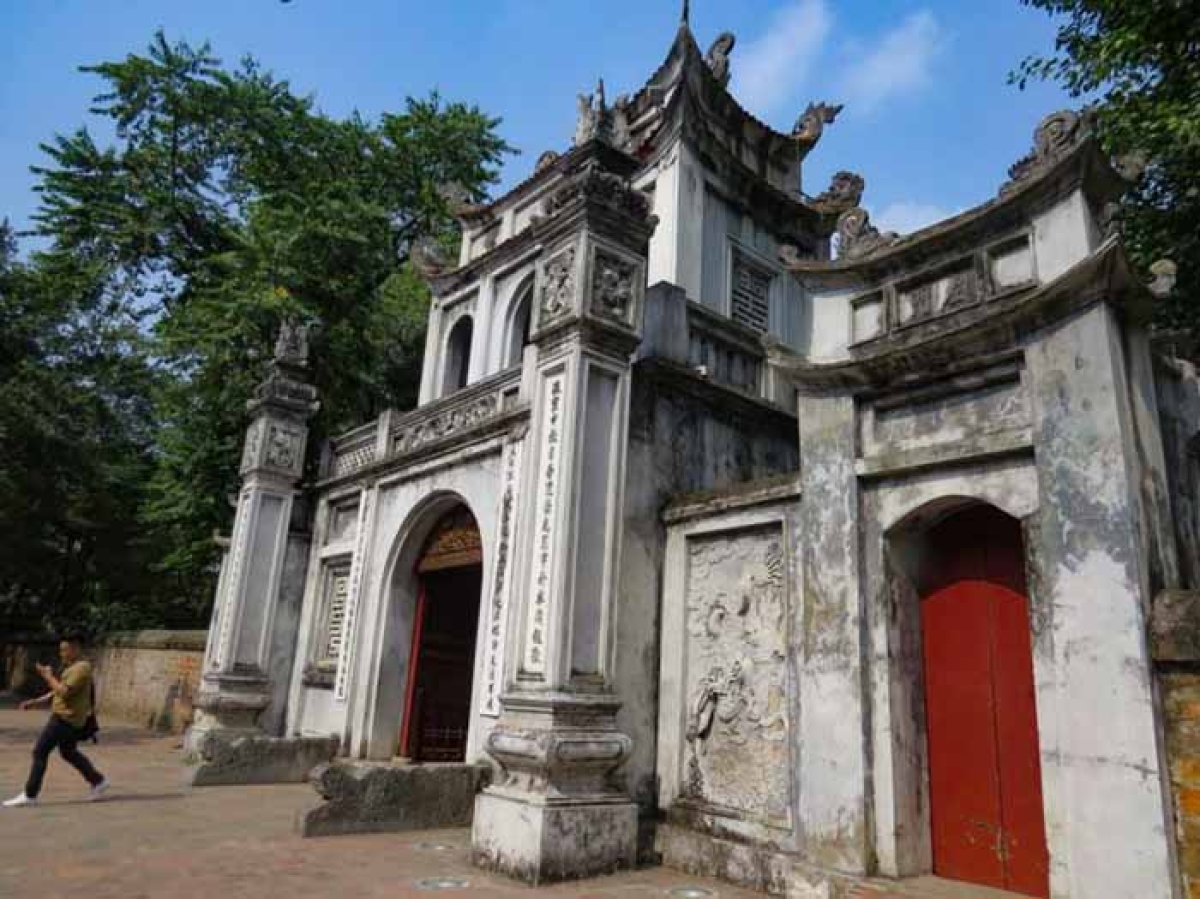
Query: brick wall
[[1175, 646], [1181, 704], [142, 677]]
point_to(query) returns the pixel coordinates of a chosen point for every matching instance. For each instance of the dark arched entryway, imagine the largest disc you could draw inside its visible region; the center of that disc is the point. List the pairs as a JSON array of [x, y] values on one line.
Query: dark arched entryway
[[985, 785], [437, 707]]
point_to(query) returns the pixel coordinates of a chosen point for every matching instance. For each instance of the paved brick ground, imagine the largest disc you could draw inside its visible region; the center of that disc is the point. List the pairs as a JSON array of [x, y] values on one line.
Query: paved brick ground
[[156, 838], [153, 838]]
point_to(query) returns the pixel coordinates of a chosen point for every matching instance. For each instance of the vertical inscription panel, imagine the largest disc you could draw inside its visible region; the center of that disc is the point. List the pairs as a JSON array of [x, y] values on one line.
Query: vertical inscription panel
[[735, 754]]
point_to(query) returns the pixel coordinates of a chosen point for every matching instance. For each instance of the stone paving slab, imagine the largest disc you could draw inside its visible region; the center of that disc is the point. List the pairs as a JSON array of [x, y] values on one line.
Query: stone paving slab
[[155, 837]]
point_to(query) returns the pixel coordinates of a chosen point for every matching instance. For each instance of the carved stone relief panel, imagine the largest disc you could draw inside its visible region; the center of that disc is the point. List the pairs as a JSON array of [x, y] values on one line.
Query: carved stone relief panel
[[284, 448], [614, 286], [736, 759], [940, 294], [556, 296]]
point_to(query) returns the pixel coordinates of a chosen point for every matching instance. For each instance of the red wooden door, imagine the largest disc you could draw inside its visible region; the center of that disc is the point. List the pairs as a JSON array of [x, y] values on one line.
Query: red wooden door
[[984, 768]]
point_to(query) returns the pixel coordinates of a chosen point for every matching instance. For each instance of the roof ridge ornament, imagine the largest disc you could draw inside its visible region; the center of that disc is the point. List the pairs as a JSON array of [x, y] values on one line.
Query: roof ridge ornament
[[1055, 136], [718, 56], [599, 121], [685, 18], [811, 124]]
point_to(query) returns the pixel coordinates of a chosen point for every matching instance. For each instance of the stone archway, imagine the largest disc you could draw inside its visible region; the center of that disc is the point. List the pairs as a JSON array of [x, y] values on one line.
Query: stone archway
[[961, 641], [388, 699], [441, 661]]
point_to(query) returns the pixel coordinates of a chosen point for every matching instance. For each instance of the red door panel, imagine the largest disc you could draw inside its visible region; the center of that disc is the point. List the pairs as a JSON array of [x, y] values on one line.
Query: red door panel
[[964, 781], [984, 764], [1027, 858]]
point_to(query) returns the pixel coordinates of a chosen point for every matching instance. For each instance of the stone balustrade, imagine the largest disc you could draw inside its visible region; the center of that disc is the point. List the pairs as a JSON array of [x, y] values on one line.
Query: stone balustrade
[[475, 407]]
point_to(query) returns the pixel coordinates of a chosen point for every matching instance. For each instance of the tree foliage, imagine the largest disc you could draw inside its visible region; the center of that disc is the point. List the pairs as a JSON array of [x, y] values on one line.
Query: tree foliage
[[1139, 61], [225, 202]]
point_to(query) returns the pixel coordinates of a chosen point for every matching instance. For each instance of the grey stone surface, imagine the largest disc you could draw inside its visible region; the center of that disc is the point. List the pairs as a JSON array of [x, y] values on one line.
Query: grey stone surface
[[227, 760], [548, 843], [367, 797]]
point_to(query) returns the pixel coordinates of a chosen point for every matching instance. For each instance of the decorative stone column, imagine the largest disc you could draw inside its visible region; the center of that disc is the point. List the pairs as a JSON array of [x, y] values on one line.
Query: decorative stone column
[[556, 812], [236, 687]]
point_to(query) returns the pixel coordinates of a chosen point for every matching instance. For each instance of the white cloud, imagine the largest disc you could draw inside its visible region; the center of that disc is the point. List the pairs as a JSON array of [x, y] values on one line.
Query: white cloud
[[768, 72], [905, 217], [899, 64]]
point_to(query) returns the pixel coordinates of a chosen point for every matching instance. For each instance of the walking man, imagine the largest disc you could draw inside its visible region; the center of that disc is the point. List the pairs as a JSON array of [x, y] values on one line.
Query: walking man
[[70, 698]]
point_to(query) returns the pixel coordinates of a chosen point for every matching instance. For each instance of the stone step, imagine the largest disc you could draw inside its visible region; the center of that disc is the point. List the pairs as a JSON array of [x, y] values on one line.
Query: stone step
[[925, 888]]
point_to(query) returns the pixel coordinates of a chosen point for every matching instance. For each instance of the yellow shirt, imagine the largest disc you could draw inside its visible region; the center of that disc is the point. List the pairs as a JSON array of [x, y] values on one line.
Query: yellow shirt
[[75, 706]]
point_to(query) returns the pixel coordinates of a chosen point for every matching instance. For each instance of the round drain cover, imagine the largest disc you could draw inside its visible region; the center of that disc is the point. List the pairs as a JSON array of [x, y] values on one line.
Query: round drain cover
[[443, 883], [691, 893], [435, 847]]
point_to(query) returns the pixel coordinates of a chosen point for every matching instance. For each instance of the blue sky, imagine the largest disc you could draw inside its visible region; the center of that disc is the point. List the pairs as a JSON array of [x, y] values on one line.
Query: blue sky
[[929, 121]]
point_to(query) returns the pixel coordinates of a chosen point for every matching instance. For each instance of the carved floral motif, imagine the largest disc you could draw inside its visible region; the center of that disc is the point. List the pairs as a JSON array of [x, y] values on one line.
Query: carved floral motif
[[446, 423]]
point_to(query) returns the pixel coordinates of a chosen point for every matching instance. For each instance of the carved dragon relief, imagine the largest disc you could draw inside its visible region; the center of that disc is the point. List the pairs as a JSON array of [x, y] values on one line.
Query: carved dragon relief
[[737, 724], [857, 237]]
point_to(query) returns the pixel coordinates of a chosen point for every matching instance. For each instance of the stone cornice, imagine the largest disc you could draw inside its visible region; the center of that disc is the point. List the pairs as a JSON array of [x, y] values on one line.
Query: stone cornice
[[996, 326]]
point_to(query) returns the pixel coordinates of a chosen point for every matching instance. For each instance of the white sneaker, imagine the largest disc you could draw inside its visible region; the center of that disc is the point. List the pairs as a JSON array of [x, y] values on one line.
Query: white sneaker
[[18, 801], [97, 792]]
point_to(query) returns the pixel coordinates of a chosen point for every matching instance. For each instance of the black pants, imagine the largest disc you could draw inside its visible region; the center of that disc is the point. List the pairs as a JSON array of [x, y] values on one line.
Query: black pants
[[58, 733]]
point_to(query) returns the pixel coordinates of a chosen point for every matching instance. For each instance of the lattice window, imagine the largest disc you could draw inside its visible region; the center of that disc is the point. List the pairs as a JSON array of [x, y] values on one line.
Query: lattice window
[[336, 595], [751, 304]]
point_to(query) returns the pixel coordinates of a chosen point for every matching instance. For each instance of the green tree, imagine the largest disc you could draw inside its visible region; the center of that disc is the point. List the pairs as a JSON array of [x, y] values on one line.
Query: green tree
[[225, 203], [75, 440], [1139, 62]]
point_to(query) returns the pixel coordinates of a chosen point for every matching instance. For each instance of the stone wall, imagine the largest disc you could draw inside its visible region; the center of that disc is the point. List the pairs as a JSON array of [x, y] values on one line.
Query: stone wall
[[145, 677]]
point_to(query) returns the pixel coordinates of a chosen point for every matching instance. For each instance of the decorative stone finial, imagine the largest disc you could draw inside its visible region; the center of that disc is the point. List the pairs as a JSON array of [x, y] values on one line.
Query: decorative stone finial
[[291, 346], [544, 161], [1165, 273], [811, 124], [458, 200], [428, 258], [685, 18], [1056, 135], [718, 56], [598, 121]]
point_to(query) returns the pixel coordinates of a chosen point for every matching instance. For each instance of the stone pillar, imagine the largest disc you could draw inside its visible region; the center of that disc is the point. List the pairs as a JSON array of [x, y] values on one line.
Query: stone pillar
[[1096, 706], [556, 812], [236, 685], [833, 774]]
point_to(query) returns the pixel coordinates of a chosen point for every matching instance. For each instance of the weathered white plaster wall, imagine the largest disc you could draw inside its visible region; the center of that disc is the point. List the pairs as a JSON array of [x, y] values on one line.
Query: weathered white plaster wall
[[1099, 732], [1063, 236]]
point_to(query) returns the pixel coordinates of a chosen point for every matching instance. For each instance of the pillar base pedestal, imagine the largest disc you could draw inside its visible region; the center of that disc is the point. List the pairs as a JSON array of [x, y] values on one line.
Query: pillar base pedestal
[[539, 843], [227, 706]]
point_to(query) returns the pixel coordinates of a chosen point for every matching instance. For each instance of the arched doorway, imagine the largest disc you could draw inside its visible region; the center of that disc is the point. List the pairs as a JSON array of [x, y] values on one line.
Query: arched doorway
[[441, 662], [985, 787]]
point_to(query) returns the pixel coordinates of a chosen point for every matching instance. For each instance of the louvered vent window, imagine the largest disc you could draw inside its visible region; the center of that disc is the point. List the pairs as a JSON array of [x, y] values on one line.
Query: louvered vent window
[[751, 304], [337, 588]]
